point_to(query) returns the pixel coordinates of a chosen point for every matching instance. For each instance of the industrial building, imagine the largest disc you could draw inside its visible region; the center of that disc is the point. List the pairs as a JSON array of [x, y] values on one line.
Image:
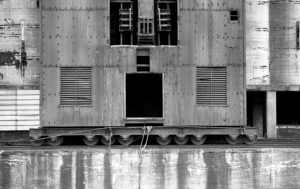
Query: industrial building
[[204, 34]]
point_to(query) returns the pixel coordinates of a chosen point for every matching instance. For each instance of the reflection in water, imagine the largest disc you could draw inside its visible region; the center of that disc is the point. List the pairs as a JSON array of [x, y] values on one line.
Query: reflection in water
[[161, 168]]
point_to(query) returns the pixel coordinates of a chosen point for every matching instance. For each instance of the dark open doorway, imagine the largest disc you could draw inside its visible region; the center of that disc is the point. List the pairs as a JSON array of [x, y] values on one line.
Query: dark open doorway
[[256, 111], [144, 97], [288, 108]]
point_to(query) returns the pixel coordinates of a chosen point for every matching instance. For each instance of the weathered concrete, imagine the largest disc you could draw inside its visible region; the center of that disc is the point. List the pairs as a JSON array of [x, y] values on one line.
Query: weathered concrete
[[162, 168], [257, 42], [12, 14], [284, 57], [271, 114], [271, 54]]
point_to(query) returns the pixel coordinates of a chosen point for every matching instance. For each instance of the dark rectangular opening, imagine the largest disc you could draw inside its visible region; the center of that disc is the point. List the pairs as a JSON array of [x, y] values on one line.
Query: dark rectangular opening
[[288, 108], [123, 16], [143, 64], [144, 97], [127, 27], [256, 111], [234, 15], [166, 22]]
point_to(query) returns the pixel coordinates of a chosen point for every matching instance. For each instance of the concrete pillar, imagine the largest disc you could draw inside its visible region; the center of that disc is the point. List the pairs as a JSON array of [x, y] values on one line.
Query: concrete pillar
[[271, 115], [258, 118]]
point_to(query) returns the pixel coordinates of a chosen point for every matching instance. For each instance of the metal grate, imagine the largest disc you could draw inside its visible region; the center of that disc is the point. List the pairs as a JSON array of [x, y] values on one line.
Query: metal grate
[[211, 86], [125, 20], [76, 86], [164, 19]]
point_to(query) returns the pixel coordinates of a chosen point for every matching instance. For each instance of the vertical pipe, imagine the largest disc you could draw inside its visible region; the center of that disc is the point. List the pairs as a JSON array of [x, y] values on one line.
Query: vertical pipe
[[297, 35]]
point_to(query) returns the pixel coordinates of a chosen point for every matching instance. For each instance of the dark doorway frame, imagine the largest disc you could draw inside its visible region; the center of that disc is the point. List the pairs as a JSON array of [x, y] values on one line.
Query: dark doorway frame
[[256, 111], [288, 108], [155, 105]]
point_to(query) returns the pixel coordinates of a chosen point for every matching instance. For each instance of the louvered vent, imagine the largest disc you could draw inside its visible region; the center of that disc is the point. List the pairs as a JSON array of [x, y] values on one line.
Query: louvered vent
[[76, 86], [211, 86]]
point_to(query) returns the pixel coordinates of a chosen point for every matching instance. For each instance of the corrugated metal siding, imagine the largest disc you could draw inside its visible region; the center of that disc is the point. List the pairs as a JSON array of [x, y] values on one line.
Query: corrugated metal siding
[[19, 109], [76, 86], [211, 86]]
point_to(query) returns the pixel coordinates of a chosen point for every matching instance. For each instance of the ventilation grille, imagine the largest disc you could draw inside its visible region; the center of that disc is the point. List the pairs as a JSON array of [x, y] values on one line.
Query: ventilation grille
[[211, 86], [76, 86]]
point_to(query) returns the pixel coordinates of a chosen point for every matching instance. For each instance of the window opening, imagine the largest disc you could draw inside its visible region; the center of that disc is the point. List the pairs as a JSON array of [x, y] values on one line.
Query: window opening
[[166, 22], [144, 97], [146, 22], [143, 64], [288, 108], [234, 15], [123, 16], [143, 22], [126, 22], [146, 31]]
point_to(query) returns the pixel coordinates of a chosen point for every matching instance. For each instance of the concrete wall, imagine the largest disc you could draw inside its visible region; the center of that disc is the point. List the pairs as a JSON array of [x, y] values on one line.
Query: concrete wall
[[284, 64], [271, 54], [257, 42], [19, 23], [272, 57], [12, 12]]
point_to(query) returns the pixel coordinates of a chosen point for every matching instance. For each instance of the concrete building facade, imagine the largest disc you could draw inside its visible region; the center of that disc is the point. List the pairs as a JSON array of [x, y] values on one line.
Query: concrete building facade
[[273, 75]]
